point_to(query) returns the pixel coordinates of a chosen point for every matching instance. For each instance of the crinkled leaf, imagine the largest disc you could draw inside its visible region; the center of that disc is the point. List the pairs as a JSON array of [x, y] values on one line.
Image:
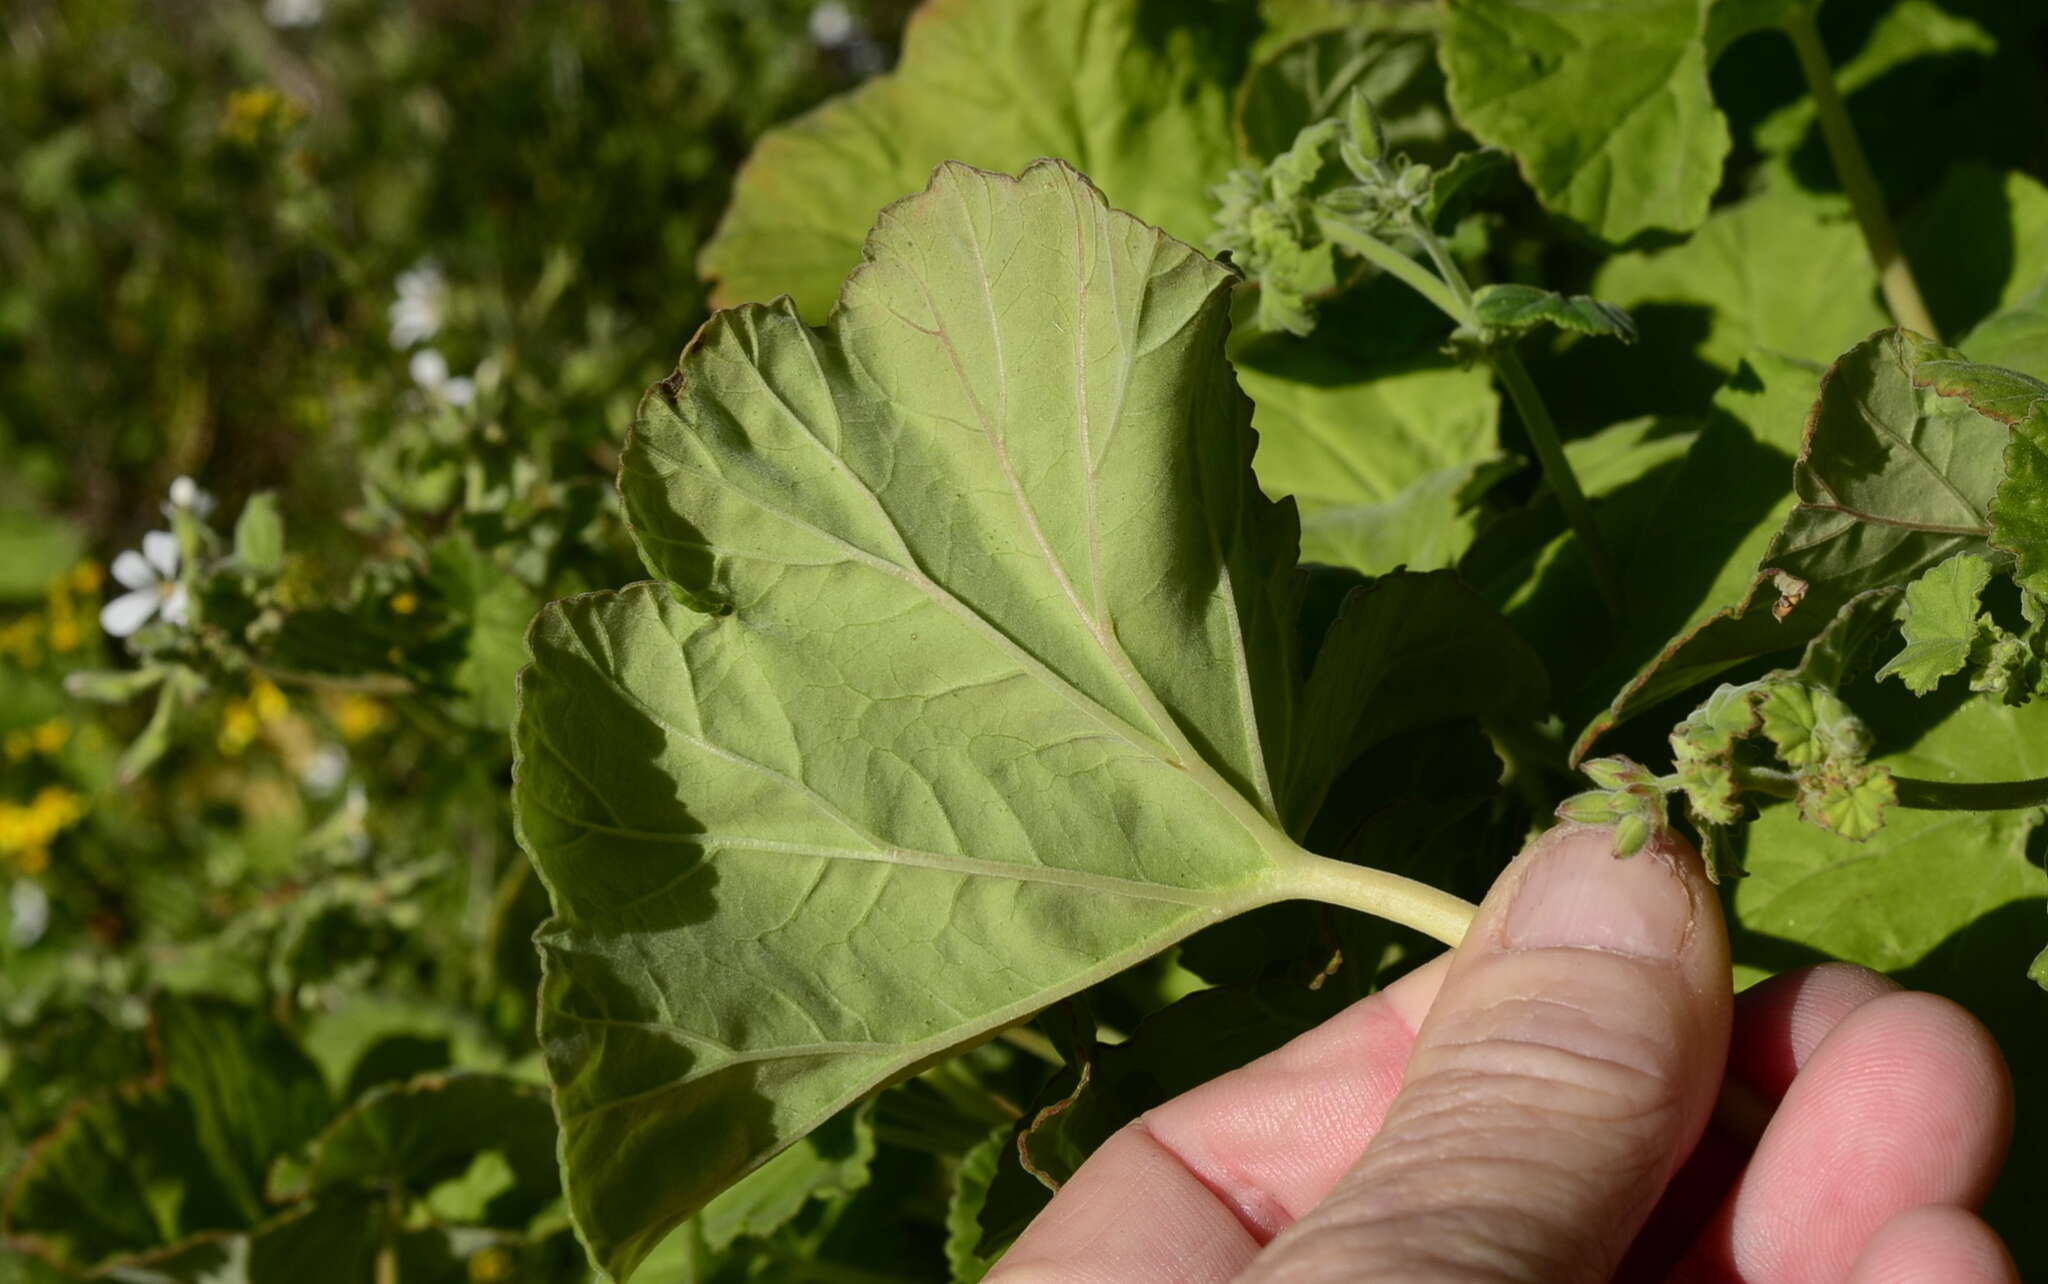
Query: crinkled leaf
[[1141, 100], [1513, 309], [1941, 622], [1388, 52], [2020, 512], [1847, 799], [492, 608], [1893, 478], [995, 694], [1605, 107]]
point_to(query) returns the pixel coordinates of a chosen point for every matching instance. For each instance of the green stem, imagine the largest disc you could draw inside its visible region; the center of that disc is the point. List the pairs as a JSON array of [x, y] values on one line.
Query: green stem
[[1412, 904], [1894, 273], [1992, 795], [1393, 262], [1763, 780], [1447, 288], [1557, 470]]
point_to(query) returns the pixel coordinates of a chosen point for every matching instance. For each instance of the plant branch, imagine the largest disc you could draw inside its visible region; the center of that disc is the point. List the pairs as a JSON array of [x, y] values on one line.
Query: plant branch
[[1412, 904], [1991, 795], [1894, 273]]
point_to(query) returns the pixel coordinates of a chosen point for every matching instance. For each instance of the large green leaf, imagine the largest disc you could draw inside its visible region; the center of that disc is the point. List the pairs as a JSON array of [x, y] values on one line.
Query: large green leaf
[[977, 683], [1782, 271], [1605, 106], [1141, 100], [1895, 475]]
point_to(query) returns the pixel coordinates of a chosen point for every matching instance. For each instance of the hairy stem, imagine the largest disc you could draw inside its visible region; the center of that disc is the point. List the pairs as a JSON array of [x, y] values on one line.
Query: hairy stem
[[1412, 904], [1894, 273], [1992, 795], [1393, 262], [1448, 290]]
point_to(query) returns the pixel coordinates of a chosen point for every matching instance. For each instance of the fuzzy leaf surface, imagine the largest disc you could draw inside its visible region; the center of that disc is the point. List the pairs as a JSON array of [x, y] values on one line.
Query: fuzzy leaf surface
[[993, 693], [1141, 101], [1605, 107], [1514, 308], [1940, 623]]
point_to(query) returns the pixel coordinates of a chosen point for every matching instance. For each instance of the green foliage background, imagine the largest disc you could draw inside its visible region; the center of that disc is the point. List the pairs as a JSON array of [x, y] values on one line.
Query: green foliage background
[[267, 987]]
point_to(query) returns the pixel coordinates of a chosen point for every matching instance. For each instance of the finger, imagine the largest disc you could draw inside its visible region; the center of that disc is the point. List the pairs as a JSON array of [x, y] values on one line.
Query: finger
[[1905, 1103], [1935, 1243], [1193, 1189], [1565, 1070], [1779, 1023]]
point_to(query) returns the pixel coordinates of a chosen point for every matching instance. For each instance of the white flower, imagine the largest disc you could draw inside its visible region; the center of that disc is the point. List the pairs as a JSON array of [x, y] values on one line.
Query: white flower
[[430, 371], [294, 13], [185, 494], [30, 912], [416, 315], [151, 578], [325, 770], [832, 25]]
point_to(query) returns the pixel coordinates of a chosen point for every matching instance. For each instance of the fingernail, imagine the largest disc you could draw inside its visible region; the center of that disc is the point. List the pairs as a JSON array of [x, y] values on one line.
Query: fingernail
[[1577, 895]]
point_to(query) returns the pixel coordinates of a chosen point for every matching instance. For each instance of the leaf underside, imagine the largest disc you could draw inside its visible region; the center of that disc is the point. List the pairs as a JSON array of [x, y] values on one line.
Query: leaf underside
[[977, 683]]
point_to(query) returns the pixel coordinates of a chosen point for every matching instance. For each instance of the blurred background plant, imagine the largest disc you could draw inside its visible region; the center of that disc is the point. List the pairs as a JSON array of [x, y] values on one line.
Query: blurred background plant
[[320, 324]]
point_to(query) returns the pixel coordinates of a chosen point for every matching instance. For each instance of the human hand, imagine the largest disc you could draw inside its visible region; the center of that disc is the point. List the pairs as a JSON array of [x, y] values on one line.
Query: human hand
[[1559, 1068]]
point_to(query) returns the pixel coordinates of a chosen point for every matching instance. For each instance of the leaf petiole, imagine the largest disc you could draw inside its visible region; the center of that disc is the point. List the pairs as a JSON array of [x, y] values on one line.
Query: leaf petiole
[[1412, 904]]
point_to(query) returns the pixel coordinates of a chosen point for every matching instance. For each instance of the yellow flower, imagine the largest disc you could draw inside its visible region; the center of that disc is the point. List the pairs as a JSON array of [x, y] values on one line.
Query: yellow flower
[[404, 603], [356, 716], [26, 831], [22, 639], [252, 112], [51, 737], [271, 703], [86, 578], [19, 745], [239, 725], [491, 1266], [64, 633]]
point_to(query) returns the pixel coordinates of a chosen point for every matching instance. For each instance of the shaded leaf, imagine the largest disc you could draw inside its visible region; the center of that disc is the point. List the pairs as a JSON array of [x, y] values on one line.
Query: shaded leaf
[[831, 1160], [963, 1211], [1783, 270], [1141, 102], [1893, 478], [259, 535], [1605, 107], [1387, 52], [408, 1137]]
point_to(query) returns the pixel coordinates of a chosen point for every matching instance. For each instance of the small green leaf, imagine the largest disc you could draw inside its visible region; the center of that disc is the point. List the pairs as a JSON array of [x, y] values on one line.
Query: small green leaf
[[1849, 800], [1606, 107], [963, 1210], [2020, 513], [410, 1136], [259, 535], [1515, 309], [1810, 726], [1941, 623]]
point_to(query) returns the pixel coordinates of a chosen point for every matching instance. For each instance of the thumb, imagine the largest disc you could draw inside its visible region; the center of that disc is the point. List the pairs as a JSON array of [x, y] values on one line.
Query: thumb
[[1562, 1075]]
